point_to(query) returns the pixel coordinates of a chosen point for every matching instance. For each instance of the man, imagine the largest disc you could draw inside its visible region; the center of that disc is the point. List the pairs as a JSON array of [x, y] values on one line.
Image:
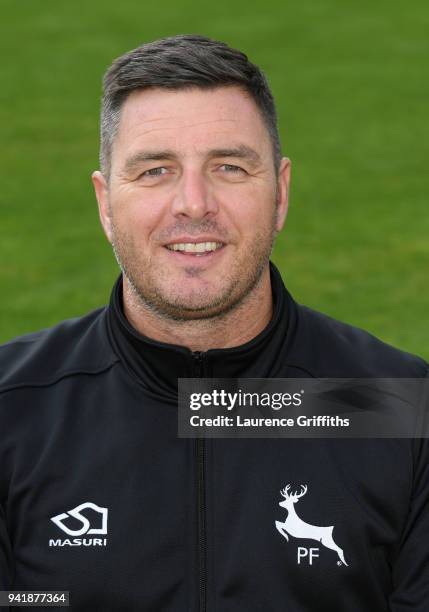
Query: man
[[98, 494]]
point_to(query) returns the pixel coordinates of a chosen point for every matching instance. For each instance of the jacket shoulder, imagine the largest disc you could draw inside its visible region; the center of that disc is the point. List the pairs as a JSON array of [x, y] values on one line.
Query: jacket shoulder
[[326, 347], [73, 346]]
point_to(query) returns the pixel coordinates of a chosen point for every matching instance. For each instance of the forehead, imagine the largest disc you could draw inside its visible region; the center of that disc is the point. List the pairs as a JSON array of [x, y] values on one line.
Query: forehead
[[191, 119]]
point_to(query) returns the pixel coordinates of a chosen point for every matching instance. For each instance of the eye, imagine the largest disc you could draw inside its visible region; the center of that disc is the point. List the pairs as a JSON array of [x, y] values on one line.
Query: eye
[[232, 168], [155, 171]]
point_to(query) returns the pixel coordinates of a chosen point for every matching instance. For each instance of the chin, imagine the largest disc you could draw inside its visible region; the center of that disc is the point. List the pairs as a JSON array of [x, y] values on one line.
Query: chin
[[189, 306]]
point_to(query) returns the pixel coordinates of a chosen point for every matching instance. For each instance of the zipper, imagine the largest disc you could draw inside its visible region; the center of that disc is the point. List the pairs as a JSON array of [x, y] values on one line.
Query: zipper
[[201, 501]]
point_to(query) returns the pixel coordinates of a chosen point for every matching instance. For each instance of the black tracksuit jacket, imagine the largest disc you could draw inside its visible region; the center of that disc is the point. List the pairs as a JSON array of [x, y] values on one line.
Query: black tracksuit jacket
[[88, 423]]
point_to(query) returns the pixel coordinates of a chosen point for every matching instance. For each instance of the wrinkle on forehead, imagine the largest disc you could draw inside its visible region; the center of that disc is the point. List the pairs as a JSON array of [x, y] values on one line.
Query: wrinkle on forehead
[[184, 126], [166, 118]]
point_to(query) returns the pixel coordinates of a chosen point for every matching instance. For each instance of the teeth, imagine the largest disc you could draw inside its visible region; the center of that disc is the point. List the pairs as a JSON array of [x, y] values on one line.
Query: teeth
[[194, 247]]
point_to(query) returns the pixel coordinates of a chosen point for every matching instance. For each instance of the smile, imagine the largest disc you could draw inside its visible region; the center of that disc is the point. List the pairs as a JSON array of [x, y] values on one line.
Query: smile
[[195, 248]]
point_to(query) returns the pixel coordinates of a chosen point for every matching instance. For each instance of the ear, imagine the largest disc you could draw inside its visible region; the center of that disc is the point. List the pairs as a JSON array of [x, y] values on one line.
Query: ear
[[102, 195], [283, 192]]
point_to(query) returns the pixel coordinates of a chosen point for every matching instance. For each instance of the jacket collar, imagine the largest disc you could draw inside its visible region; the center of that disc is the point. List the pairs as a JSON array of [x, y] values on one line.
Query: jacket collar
[[158, 365]]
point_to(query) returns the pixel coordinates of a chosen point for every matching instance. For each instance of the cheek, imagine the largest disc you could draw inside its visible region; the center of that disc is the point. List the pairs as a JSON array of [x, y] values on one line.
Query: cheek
[[137, 216], [251, 210]]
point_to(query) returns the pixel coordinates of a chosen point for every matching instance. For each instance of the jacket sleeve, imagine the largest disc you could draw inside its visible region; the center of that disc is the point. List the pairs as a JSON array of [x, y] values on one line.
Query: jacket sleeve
[[7, 566], [5, 555], [411, 566]]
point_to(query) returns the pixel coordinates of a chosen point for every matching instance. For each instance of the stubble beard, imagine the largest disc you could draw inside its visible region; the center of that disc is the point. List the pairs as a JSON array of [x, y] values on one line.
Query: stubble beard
[[238, 285]]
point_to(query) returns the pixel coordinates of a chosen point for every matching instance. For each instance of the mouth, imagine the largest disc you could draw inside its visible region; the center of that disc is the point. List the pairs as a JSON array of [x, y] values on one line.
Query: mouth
[[195, 249]]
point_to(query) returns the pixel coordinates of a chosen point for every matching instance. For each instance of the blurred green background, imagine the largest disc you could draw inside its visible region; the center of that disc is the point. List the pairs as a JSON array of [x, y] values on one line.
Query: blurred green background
[[352, 89]]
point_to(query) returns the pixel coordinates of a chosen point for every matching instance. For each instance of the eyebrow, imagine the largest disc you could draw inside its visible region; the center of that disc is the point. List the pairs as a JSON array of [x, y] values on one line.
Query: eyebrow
[[144, 156], [241, 152]]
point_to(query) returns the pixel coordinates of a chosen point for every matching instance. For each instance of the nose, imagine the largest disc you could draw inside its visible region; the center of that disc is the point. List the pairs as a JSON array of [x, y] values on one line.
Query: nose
[[194, 198]]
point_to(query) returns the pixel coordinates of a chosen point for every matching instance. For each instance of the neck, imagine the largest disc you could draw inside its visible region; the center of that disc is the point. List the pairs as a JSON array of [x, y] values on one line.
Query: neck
[[292, 511], [238, 326]]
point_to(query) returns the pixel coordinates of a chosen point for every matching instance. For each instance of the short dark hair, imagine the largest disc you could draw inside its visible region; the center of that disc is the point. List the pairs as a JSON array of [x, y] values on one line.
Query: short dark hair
[[179, 62]]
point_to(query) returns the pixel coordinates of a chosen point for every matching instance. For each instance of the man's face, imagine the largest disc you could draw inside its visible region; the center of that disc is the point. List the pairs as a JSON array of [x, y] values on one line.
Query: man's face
[[193, 203]]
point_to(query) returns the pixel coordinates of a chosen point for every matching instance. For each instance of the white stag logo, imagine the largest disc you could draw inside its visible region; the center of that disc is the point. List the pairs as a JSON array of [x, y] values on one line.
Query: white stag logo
[[297, 528]]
